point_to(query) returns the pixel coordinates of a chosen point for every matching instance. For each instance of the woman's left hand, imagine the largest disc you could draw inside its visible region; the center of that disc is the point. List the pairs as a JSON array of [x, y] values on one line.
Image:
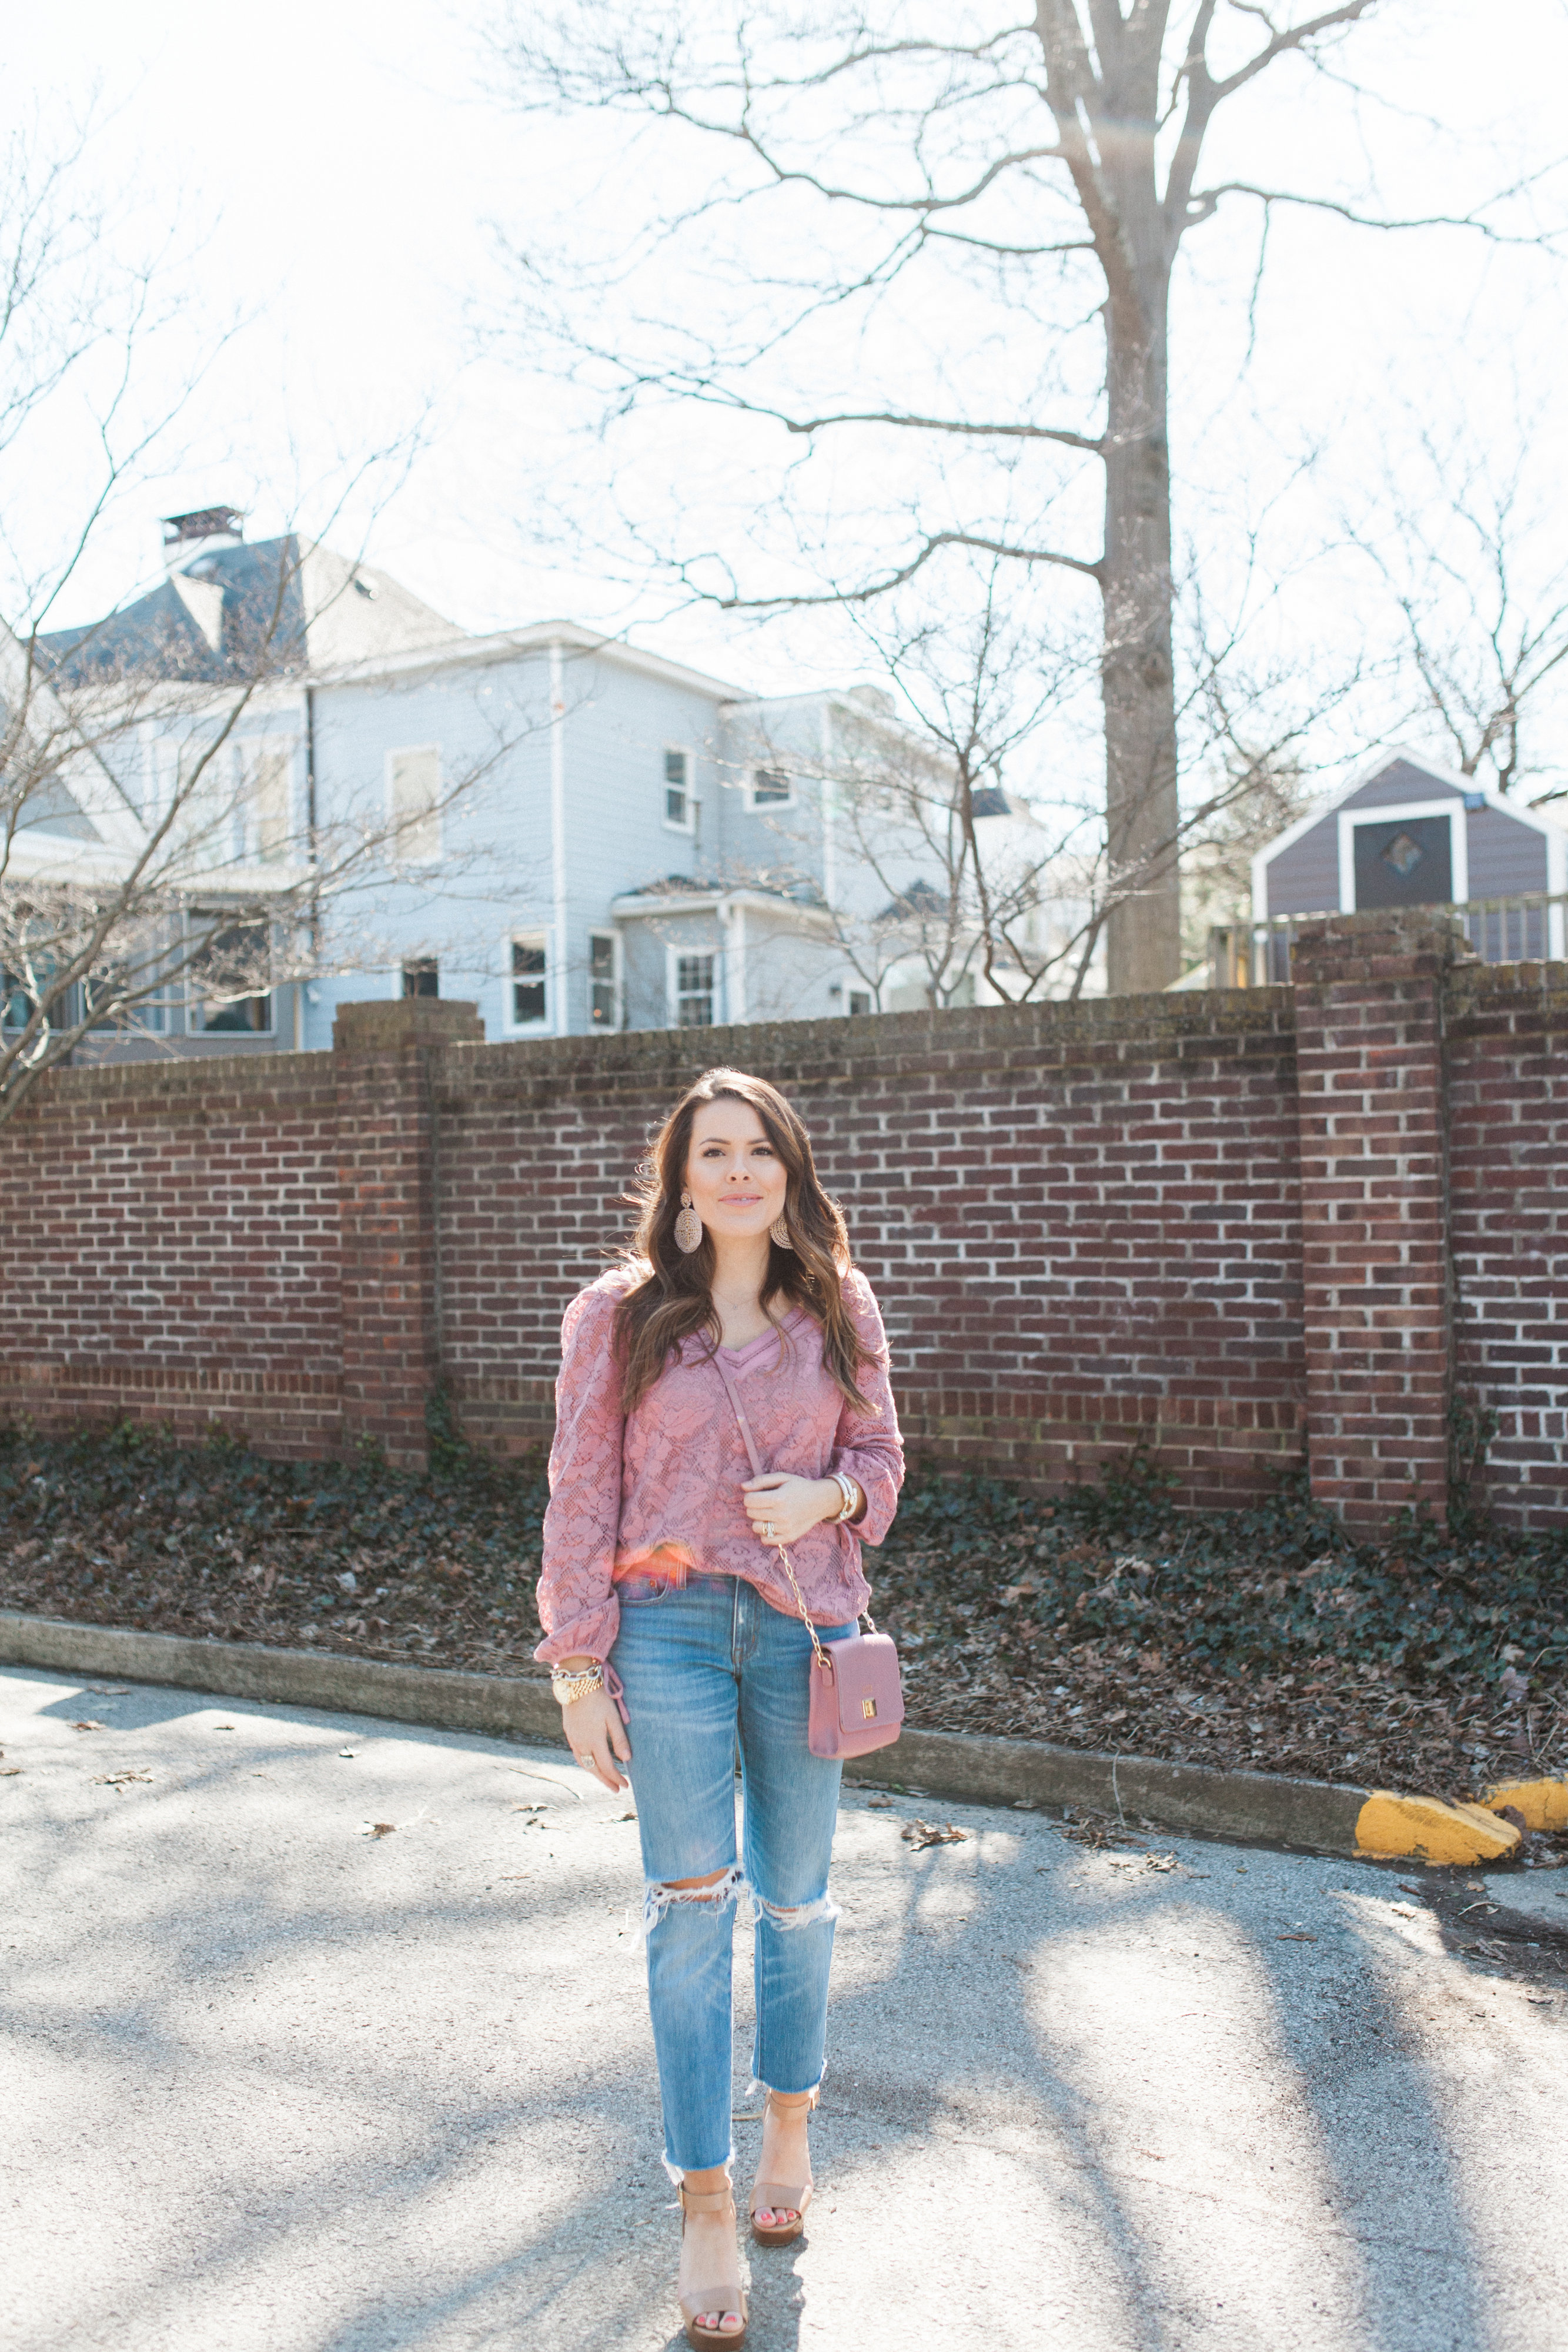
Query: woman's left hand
[[782, 1508]]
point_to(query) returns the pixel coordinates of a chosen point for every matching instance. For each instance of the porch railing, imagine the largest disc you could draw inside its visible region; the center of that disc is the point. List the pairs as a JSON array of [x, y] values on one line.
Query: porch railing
[[1530, 928]]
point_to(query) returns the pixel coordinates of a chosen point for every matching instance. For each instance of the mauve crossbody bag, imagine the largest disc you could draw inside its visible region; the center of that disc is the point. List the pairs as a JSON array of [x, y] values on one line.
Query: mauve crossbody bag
[[857, 1698]]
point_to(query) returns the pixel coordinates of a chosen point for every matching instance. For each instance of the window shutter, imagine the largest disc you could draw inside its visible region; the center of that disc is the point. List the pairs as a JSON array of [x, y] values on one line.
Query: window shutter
[[416, 805]]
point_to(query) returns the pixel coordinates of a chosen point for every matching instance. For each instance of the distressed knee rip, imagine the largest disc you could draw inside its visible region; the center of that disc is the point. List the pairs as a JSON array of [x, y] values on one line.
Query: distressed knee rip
[[799, 1915], [659, 1897]]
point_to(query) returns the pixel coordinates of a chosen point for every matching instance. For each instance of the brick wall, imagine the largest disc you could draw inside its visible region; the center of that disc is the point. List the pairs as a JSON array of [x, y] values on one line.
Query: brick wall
[[171, 1249], [1377, 1307], [1088, 1224], [1082, 1221], [1508, 1173]]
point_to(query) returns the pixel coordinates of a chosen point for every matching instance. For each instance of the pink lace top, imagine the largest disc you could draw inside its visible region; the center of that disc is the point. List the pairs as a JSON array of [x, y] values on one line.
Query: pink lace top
[[658, 1491]]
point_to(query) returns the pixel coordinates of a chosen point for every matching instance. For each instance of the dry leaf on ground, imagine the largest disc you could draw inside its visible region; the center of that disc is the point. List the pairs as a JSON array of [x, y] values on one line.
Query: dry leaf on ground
[[919, 1833], [1259, 1639]]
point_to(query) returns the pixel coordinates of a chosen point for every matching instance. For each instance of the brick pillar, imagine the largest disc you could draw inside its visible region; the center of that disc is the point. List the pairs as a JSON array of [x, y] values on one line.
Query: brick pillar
[[386, 1195], [1375, 1241]]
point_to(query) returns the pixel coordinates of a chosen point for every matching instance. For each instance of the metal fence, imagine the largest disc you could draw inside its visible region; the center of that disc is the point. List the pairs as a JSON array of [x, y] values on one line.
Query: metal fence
[[1527, 929]]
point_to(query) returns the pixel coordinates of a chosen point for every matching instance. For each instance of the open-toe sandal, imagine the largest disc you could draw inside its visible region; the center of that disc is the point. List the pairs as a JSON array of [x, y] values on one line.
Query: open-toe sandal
[[780, 2197], [730, 2296]]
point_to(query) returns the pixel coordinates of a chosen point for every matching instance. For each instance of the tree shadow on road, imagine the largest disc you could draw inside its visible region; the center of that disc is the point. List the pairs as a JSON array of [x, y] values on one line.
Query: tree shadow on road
[[391, 2097]]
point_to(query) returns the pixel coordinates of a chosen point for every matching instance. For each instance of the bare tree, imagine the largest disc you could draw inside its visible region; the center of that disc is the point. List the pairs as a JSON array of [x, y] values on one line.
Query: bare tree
[[1256, 697], [1466, 548], [946, 886], [159, 848], [1023, 182], [1263, 792], [969, 848]]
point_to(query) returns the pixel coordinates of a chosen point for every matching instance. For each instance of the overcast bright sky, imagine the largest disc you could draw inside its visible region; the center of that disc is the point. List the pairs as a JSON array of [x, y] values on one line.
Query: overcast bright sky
[[333, 171]]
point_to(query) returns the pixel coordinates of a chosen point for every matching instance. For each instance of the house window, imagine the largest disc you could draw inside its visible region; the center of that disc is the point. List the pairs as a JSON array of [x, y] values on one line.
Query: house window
[[172, 764], [694, 992], [196, 782], [603, 994], [860, 1001], [529, 981], [413, 790], [679, 806], [770, 788], [231, 977], [265, 790], [421, 977]]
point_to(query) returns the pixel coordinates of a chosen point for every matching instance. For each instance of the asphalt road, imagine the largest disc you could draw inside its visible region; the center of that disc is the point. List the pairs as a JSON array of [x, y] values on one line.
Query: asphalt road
[[271, 2080]]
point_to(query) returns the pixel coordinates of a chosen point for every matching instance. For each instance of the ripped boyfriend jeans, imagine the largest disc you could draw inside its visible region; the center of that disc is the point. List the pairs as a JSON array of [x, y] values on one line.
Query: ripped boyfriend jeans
[[704, 1666]]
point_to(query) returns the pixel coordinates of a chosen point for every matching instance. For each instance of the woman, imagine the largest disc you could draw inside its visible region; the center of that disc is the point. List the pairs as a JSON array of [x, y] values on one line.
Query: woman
[[662, 1603]]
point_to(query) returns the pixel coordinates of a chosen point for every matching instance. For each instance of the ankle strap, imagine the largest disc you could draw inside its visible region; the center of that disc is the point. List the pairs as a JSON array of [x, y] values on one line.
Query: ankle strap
[[706, 2200]]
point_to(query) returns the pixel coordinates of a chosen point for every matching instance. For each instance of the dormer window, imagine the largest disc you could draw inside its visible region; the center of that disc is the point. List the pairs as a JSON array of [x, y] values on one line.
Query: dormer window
[[770, 788]]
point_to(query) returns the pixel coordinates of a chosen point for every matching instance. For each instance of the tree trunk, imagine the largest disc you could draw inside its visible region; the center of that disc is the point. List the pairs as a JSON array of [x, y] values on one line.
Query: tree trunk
[[1137, 671]]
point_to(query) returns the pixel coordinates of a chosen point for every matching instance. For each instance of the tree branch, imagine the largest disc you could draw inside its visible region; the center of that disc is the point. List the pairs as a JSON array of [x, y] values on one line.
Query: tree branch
[[1206, 203], [1093, 445], [1293, 36], [933, 546]]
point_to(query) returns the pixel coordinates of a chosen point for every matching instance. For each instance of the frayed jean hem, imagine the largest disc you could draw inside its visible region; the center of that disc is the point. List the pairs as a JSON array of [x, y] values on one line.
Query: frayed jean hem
[[678, 2172]]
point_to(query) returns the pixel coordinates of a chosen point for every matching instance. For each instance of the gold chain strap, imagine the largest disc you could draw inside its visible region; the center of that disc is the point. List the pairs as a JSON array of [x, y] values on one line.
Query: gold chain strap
[[739, 1411], [800, 1605]]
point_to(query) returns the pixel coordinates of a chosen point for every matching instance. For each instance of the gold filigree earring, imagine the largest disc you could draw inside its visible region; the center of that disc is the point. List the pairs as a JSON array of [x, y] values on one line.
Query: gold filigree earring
[[780, 1229], [688, 1226]]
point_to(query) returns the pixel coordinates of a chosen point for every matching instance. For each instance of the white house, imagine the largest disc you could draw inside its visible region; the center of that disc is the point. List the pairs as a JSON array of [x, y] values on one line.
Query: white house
[[587, 835]]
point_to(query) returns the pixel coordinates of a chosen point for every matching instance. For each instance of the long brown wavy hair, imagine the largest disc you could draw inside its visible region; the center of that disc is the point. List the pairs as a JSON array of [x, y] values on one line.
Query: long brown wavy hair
[[674, 1298]]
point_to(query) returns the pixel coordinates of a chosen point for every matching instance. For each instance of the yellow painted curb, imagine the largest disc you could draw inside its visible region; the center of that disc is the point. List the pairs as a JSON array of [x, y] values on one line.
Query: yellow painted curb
[[1543, 1804], [1428, 1830]]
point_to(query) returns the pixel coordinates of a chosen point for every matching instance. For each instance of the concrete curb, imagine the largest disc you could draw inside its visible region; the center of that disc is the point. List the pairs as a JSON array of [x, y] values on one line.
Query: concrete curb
[[498, 1703], [1260, 1806], [961, 1766], [966, 1768]]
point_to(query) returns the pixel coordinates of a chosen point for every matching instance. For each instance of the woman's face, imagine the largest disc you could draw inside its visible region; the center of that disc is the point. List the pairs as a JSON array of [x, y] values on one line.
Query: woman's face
[[737, 1181]]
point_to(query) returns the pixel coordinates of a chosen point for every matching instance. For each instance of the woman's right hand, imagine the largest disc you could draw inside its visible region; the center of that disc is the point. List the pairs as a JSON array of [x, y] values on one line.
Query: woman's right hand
[[597, 1736]]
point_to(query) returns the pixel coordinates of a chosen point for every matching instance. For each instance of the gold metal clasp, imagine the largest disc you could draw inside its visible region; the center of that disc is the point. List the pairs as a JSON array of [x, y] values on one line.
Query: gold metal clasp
[[868, 1709]]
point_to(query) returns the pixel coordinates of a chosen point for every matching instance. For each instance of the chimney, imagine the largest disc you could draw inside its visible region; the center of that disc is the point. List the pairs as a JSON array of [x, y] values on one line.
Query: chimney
[[207, 531]]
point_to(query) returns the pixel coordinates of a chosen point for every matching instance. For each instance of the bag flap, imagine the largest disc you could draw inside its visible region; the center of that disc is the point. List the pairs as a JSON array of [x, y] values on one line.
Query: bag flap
[[865, 1673]]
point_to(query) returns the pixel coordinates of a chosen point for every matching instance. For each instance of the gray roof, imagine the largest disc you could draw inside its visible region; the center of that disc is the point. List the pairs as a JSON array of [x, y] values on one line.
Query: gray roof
[[919, 903], [276, 606]]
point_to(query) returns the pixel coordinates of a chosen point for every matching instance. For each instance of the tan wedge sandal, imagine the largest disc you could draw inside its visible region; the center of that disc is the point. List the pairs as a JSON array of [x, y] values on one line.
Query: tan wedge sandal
[[781, 2197], [731, 2294]]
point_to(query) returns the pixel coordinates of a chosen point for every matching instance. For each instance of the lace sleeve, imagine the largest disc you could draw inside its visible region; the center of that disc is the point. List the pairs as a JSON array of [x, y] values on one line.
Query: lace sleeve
[[867, 1445], [577, 1603]]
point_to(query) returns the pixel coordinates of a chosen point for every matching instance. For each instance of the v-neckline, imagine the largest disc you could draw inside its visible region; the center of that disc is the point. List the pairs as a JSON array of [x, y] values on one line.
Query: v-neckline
[[739, 1355]]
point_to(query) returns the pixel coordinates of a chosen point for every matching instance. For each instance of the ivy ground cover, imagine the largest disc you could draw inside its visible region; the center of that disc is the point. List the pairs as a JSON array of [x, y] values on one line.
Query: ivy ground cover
[[1103, 1619]]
